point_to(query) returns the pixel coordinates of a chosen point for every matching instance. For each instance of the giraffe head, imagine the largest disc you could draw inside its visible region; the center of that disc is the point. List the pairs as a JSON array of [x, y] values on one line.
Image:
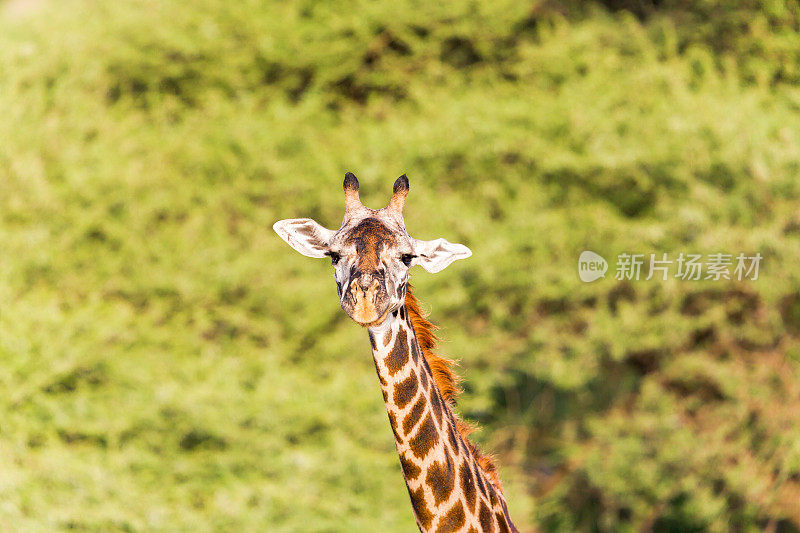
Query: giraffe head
[[371, 252]]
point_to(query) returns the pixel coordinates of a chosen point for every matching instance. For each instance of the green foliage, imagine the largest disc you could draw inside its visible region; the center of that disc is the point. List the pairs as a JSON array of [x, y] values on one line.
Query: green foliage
[[169, 364], [758, 39]]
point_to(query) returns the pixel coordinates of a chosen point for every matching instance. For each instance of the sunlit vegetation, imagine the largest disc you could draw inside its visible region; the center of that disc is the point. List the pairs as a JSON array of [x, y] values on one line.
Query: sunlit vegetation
[[169, 364]]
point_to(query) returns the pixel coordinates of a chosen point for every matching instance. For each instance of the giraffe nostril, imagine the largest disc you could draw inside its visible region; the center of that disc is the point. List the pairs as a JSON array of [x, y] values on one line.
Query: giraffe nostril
[[365, 282]]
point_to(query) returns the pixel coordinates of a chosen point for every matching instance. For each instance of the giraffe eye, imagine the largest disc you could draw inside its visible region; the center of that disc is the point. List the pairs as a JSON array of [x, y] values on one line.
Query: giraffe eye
[[334, 257], [407, 258]]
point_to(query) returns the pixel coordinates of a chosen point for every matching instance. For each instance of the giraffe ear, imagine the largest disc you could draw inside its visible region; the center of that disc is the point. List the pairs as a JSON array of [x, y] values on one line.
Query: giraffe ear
[[305, 235], [434, 256]]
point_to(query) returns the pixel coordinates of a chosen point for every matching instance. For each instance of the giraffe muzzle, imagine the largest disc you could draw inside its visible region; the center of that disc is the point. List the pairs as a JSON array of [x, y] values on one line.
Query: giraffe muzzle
[[365, 302]]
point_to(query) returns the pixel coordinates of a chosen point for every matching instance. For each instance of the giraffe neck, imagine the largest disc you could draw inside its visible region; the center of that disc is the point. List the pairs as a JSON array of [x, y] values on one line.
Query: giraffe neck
[[449, 490]]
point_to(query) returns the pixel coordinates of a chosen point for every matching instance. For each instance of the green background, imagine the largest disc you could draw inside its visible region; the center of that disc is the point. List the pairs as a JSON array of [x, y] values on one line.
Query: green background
[[169, 364]]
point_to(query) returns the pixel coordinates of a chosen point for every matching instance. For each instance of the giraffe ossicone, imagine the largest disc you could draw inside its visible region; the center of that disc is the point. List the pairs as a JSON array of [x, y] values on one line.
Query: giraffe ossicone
[[452, 485]]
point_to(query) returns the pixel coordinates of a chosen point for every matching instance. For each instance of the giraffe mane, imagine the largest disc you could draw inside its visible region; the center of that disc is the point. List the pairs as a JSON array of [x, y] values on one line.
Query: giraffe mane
[[446, 380]]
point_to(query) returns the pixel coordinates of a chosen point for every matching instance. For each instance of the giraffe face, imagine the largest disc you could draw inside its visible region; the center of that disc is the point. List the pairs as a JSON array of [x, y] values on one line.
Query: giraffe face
[[371, 253], [371, 257]]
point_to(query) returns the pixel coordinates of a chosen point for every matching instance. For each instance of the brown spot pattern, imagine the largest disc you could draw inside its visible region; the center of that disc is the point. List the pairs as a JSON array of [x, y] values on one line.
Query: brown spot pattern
[[453, 520], [451, 434], [393, 423], [378, 370], [441, 479], [485, 518], [398, 355], [400, 288], [492, 495], [405, 390], [421, 510], [410, 469], [481, 486], [425, 438], [436, 405], [413, 416], [468, 486], [502, 527]]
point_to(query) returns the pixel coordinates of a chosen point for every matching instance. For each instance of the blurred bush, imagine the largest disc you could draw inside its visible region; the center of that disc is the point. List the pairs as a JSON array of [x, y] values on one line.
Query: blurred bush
[[170, 364]]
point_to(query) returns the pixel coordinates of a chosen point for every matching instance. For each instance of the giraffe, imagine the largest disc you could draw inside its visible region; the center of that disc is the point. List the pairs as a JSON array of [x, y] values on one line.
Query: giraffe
[[452, 485]]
